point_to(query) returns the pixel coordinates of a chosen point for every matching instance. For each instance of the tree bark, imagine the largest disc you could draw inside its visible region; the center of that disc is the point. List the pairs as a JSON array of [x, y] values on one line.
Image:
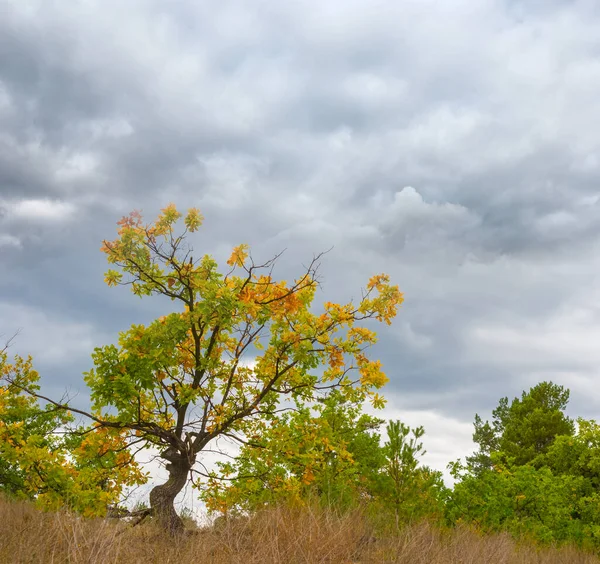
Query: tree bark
[[162, 497]]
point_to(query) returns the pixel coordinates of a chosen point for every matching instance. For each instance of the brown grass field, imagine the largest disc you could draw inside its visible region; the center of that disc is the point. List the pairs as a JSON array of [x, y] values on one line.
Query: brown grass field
[[284, 536]]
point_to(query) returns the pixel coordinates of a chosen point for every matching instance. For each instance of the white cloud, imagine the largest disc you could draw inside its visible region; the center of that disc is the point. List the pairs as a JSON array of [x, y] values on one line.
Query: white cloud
[[408, 204], [41, 210]]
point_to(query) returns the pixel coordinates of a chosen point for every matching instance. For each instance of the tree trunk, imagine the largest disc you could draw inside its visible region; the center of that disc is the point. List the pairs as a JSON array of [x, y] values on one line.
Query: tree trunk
[[162, 497]]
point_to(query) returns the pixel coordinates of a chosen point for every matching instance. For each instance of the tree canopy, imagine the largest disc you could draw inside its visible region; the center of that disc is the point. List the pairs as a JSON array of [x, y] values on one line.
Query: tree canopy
[[536, 472], [523, 430]]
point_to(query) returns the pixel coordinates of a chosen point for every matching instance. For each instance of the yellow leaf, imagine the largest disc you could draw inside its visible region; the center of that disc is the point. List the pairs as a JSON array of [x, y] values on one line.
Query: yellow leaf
[[238, 256], [193, 219]]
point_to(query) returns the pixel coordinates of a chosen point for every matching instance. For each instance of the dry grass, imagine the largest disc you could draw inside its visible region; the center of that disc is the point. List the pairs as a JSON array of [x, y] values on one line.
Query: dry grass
[[286, 536]]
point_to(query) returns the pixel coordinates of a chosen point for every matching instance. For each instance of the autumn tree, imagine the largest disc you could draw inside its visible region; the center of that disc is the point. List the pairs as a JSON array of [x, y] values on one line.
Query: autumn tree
[[46, 457], [238, 343]]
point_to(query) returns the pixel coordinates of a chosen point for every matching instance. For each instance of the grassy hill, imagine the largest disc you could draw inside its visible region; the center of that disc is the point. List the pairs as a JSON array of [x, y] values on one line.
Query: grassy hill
[[276, 536]]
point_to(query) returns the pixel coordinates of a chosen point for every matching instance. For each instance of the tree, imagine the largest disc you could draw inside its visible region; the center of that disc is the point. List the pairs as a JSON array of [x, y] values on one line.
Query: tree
[[220, 365], [536, 473], [20, 419], [412, 491], [43, 457], [524, 430], [328, 452]]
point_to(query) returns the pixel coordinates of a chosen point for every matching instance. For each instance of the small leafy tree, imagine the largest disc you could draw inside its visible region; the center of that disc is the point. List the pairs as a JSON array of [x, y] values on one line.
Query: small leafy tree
[[20, 419], [412, 491], [220, 364], [327, 452], [45, 458]]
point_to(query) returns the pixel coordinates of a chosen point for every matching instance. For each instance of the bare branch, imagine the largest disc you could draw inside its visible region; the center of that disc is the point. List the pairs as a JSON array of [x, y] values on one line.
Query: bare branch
[[9, 342]]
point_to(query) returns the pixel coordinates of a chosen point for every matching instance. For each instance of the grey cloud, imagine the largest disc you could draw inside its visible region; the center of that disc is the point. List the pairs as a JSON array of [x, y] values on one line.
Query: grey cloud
[[303, 126]]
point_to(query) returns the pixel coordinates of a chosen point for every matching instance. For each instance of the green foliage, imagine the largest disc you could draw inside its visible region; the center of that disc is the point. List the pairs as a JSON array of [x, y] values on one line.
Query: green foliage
[[533, 475], [524, 430], [525, 501], [23, 424], [412, 491], [328, 450], [578, 455], [331, 453], [530, 502], [183, 380], [45, 458]]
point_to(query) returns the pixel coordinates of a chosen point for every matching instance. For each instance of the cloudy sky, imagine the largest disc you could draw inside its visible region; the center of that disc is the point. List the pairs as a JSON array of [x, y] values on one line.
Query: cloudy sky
[[453, 144]]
